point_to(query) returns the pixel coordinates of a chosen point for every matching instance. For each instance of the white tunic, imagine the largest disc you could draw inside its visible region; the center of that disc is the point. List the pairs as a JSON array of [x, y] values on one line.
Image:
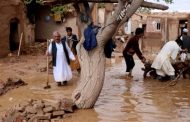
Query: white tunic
[[168, 52], [62, 71]]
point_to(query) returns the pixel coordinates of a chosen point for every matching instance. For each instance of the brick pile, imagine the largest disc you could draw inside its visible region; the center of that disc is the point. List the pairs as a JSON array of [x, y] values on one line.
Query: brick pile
[[39, 111]]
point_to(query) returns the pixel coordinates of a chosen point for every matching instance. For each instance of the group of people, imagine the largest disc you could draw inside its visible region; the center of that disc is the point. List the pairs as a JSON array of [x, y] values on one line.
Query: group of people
[[163, 61], [62, 50]]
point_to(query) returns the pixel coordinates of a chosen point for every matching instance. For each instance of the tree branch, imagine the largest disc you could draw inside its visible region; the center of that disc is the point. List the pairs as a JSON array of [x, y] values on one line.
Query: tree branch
[[91, 6], [120, 7], [144, 4], [154, 5], [131, 10]]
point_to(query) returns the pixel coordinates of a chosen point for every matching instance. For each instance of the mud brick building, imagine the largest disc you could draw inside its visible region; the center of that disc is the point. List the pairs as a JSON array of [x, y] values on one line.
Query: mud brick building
[[13, 22]]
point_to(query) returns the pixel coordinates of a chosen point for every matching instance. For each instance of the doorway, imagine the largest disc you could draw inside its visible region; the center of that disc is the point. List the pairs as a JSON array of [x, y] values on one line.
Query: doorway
[[14, 35], [182, 25]]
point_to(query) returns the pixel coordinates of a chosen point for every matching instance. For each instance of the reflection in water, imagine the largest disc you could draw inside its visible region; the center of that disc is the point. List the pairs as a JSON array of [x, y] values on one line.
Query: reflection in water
[[121, 100]]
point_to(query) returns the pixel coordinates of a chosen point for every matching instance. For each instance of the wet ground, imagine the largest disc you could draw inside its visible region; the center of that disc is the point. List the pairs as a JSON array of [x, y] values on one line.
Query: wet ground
[[121, 100]]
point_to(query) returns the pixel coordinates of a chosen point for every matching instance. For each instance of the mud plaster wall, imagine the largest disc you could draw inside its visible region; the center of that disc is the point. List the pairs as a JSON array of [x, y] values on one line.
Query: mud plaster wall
[[173, 26], [10, 9], [153, 40], [44, 29]]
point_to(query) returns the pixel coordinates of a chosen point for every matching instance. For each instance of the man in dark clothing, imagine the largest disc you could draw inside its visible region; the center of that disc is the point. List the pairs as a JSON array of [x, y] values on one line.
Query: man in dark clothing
[[109, 48], [71, 39], [131, 48], [186, 42]]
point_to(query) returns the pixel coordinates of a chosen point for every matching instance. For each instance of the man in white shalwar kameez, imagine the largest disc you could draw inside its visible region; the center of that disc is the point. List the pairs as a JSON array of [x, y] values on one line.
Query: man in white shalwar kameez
[[61, 55], [162, 63]]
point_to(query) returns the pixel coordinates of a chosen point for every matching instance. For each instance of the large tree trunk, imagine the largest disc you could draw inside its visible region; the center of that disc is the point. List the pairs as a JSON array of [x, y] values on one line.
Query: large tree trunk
[[92, 76], [93, 62], [92, 72]]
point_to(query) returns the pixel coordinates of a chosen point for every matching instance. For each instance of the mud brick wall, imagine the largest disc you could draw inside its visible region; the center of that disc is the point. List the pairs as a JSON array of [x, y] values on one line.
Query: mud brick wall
[[11, 9]]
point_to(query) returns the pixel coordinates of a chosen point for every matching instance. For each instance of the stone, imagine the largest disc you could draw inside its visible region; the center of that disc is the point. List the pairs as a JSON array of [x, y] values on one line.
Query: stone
[[30, 116], [47, 104], [67, 105], [19, 108], [24, 104], [39, 117], [30, 109], [58, 113], [49, 115], [57, 105], [57, 120], [48, 109], [45, 120], [44, 117], [19, 119], [38, 104], [66, 115], [24, 114], [33, 120], [40, 111], [30, 101]]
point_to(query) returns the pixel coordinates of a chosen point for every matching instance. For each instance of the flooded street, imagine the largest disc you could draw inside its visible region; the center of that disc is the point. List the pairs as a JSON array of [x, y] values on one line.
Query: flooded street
[[136, 100], [121, 100]]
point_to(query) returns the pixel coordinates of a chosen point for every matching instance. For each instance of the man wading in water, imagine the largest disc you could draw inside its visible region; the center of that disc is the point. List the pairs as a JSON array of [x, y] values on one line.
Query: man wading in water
[[131, 48]]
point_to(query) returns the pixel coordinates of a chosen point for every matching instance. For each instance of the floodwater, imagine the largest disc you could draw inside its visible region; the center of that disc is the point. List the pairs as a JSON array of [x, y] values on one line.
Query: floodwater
[[121, 99]]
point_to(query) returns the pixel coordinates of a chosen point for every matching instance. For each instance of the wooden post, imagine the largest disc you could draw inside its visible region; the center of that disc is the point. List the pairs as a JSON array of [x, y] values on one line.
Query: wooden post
[[47, 64], [20, 43]]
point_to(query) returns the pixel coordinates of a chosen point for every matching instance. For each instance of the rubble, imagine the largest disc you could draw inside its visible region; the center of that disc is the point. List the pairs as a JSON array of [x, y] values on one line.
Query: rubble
[[10, 84], [39, 111]]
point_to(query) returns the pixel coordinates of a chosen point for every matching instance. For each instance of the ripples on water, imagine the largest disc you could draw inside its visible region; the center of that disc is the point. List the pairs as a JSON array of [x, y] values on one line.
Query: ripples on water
[[138, 100]]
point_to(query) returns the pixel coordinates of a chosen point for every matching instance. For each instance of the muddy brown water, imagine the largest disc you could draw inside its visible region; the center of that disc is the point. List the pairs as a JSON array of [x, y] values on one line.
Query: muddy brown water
[[121, 99]]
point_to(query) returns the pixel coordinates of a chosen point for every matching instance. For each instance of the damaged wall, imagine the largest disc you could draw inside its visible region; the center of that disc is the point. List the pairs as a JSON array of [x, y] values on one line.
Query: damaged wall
[[13, 18]]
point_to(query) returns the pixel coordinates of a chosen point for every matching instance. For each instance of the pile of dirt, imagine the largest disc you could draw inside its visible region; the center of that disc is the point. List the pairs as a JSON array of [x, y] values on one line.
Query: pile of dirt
[[37, 48], [10, 84], [39, 111]]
